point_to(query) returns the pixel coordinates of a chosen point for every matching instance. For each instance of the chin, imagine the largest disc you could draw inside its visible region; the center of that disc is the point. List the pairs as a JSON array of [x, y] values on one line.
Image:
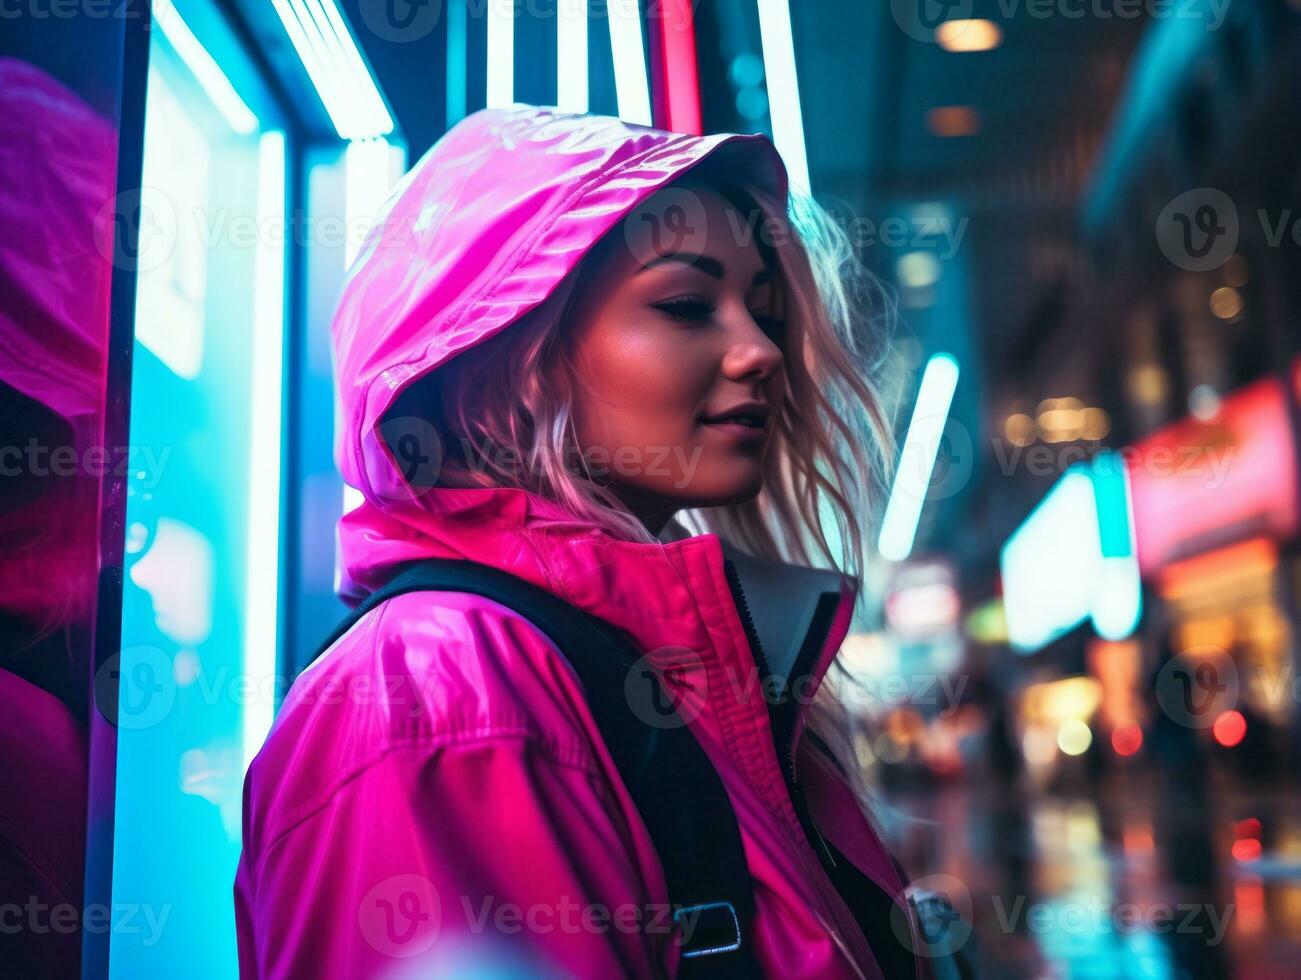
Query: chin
[[737, 489]]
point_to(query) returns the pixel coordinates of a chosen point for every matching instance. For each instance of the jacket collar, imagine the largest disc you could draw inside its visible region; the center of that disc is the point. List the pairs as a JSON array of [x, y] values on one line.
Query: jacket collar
[[663, 595], [790, 608]]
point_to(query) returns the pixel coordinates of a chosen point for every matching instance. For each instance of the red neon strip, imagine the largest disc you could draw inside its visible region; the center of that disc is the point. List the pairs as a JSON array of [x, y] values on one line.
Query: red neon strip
[[675, 78]]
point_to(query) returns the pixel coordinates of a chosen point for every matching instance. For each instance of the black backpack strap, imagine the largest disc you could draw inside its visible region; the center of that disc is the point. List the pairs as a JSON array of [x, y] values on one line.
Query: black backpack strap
[[675, 788]]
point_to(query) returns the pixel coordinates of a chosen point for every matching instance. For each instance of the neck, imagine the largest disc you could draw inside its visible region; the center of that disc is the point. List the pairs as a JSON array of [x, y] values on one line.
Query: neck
[[652, 510]]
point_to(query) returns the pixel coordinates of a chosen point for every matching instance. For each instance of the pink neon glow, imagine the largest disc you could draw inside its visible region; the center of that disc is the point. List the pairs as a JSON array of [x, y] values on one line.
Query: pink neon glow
[[674, 75], [1202, 484]]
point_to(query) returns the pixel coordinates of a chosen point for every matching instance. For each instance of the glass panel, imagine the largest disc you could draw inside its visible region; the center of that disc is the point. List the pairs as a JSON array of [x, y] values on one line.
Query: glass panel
[[200, 609], [60, 88]]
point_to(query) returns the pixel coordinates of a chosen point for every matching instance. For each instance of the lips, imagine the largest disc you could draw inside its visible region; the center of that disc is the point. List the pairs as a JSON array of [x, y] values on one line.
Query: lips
[[744, 425], [751, 415]]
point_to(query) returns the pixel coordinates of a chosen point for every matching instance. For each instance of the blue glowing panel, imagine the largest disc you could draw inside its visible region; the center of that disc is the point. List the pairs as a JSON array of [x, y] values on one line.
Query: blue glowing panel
[[1050, 564], [1118, 595], [1073, 560], [197, 669]]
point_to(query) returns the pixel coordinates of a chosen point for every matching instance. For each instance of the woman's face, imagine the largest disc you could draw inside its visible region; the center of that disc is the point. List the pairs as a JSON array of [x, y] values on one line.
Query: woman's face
[[677, 345]]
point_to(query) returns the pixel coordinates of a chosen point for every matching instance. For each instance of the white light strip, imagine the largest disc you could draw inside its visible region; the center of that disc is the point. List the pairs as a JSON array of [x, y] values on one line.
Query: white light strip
[[310, 45], [631, 86], [262, 544], [501, 53], [370, 170], [368, 107], [335, 66], [312, 17], [205, 70], [368, 176], [369, 104], [921, 445], [571, 55], [784, 89]]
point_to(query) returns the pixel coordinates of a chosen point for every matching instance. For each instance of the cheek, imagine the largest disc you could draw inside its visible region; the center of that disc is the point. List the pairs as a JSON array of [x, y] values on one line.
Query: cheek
[[641, 385]]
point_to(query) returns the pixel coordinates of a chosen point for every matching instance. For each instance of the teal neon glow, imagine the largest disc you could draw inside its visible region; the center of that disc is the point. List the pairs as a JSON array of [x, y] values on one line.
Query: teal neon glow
[[457, 61], [1118, 598], [784, 89], [917, 461], [1111, 488]]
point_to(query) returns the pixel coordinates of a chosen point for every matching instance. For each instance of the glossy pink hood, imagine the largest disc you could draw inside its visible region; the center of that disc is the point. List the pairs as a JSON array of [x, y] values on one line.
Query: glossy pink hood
[[480, 231], [472, 775]]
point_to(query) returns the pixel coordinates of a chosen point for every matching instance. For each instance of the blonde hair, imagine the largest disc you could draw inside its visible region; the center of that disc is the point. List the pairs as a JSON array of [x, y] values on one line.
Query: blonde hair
[[509, 404]]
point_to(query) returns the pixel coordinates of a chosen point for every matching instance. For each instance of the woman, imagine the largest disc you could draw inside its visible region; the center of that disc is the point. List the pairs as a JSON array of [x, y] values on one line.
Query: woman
[[565, 331]]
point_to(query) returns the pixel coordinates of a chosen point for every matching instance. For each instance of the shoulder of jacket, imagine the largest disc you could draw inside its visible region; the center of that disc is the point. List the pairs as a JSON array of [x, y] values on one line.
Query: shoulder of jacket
[[435, 665], [424, 672]]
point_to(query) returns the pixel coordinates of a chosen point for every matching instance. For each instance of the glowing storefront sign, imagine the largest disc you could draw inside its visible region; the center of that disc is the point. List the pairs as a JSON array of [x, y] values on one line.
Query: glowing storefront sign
[[1200, 484], [1072, 560]]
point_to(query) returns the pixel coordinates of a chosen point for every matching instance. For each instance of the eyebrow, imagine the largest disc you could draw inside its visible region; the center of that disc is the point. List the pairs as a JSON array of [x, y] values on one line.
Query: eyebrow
[[707, 264]]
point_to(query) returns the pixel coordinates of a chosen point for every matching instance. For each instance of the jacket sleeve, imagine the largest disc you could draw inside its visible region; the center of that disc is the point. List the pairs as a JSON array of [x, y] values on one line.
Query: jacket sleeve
[[484, 854]]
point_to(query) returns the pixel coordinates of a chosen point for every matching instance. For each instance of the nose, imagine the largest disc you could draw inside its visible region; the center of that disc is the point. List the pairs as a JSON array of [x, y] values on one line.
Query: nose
[[751, 354]]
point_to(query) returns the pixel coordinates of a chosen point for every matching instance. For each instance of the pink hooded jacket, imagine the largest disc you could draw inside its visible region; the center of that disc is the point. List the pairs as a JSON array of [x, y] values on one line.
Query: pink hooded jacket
[[434, 798]]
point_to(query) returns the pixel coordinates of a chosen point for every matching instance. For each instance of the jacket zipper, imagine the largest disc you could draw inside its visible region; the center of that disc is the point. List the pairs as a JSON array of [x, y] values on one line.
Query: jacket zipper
[[795, 792], [787, 760], [752, 635]]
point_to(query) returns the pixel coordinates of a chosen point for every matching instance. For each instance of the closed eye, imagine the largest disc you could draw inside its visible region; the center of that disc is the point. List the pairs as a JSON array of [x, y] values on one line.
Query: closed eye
[[687, 308], [696, 309]]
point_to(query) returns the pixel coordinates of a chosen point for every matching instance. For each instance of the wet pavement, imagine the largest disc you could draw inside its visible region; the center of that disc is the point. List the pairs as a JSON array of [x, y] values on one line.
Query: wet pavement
[[1138, 874]]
